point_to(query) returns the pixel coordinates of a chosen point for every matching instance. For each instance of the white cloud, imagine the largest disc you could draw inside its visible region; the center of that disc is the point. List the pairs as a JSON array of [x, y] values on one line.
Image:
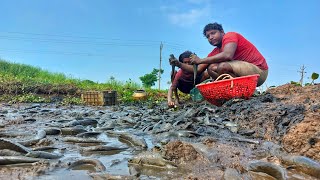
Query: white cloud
[[187, 18], [187, 13]]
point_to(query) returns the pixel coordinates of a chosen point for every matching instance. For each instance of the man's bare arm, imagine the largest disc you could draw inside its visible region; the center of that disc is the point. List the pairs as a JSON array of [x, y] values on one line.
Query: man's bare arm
[[189, 68], [226, 55]]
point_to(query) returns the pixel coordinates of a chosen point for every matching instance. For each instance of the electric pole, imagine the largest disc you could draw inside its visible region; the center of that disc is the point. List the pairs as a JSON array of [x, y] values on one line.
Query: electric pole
[[302, 74], [161, 46]]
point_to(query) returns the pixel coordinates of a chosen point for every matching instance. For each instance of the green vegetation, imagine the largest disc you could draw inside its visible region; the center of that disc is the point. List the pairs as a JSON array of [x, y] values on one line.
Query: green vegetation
[[314, 76], [25, 83], [148, 80]]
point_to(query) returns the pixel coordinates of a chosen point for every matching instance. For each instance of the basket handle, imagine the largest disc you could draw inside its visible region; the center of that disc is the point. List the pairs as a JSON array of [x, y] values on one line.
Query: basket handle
[[225, 76]]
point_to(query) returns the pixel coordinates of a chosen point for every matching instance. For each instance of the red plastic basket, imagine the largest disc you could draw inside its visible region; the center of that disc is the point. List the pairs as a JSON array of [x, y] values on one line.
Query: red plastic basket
[[218, 92]]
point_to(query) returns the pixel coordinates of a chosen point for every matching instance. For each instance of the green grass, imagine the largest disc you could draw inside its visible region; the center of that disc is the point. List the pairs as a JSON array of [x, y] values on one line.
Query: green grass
[[27, 83]]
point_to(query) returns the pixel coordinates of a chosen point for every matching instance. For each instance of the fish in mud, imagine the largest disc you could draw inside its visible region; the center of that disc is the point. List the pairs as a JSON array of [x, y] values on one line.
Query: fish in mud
[[7, 144], [81, 140], [302, 163], [133, 139], [40, 135], [103, 148], [6, 160], [151, 159], [268, 168], [43, 154], [96, 163]]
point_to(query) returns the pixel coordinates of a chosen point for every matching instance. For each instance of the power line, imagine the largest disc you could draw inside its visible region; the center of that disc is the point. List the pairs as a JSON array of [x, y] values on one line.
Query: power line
[[84, 40], [87, 37], [67, 41], [69, 36], [68, 53], [138, 42], [96, 40]]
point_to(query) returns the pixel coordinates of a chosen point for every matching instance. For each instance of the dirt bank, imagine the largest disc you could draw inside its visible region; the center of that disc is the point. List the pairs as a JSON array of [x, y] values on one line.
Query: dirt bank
[[304, 137]]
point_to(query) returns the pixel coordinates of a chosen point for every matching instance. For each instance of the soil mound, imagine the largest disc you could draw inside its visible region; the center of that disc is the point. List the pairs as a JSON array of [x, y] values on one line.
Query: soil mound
[[304, 137]]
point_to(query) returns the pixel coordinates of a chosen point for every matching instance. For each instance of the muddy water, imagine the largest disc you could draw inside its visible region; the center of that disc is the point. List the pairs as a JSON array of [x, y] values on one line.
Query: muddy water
[[21, 123], [196, 141]]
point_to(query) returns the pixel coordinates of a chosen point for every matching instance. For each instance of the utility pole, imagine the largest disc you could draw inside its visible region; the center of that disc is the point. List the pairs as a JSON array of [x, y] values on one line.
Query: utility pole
[[302, 74], [161, 46]]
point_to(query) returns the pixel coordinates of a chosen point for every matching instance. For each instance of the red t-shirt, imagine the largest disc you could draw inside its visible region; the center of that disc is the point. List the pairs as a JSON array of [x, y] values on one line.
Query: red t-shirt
[[245, 51]]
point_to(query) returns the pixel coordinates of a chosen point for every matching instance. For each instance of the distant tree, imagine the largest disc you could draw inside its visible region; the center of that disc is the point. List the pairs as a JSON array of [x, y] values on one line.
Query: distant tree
[[87, 81], [149, 80], [314, 76], [112, 78]]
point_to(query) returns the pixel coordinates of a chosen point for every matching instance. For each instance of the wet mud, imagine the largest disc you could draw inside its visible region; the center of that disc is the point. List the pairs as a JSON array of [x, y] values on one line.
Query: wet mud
[[275, 135]]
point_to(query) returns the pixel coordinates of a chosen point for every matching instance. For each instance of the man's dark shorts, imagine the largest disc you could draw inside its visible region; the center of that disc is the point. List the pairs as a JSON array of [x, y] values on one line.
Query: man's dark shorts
[[186, 86]]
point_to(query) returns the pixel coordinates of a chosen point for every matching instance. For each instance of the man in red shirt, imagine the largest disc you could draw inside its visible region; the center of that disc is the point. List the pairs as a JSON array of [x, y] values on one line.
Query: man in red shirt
[[183, 80], [233, 55]]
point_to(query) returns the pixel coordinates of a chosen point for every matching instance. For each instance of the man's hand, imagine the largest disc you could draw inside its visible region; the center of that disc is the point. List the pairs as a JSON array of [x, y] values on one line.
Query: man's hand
[[195, 59], [173, 104], [173, 60]]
